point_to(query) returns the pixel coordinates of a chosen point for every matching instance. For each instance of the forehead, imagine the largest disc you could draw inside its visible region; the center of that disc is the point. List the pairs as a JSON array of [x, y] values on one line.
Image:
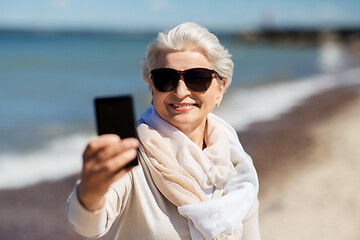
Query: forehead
[[182, 60]]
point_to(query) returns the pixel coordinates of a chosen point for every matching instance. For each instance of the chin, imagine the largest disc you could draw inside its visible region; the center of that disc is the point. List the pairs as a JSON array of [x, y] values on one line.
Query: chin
[[185, 122]]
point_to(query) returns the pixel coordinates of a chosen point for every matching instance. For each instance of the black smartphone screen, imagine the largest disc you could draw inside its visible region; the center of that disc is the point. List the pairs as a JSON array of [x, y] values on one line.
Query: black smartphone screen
[[116, 115]]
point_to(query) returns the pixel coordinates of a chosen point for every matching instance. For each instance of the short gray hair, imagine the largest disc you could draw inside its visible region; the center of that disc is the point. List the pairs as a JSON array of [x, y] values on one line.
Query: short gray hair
[[181, 38]]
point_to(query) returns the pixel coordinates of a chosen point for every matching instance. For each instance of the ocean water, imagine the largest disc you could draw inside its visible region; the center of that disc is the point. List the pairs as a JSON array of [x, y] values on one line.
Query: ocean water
[[48, 82]]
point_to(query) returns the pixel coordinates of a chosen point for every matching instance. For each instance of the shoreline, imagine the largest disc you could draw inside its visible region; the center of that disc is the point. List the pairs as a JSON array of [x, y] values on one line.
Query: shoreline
[[283, 139], [59, 156], [39, 211]]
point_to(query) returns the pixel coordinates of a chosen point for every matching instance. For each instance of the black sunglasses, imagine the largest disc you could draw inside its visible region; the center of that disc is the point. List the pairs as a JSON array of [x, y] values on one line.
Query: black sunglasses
[[196, 79]]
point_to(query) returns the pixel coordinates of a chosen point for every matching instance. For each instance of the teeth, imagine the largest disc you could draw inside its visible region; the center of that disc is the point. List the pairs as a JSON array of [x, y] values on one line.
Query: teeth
[[176, 105]]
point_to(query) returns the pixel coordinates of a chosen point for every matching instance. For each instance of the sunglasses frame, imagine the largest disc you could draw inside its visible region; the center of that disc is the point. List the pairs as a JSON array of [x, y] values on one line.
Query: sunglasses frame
[[182, 74]]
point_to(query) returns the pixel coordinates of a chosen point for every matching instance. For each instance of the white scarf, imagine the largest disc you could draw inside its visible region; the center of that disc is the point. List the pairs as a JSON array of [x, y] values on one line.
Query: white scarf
[[182, 171]]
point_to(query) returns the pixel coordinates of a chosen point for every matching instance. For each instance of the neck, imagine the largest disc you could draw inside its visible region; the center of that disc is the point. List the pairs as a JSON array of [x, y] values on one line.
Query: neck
[[196, 135]]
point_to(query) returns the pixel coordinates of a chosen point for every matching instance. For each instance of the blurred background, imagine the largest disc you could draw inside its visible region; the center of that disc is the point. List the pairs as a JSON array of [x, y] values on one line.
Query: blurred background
[[57, 55]]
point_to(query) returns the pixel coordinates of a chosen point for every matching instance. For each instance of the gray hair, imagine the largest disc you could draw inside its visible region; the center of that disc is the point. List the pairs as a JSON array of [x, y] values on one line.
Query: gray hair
[[193, 36]]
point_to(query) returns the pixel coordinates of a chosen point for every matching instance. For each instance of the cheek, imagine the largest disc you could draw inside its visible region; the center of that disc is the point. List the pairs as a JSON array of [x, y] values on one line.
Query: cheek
[[154, 93], [158, 98]]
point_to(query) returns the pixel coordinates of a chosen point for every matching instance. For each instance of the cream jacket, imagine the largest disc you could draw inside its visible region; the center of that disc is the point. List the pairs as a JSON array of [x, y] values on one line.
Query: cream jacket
[[135, 209]]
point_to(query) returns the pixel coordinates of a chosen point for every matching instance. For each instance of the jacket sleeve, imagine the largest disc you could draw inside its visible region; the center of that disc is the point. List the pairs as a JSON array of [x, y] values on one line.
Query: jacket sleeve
[[251, 229], [95, 224]]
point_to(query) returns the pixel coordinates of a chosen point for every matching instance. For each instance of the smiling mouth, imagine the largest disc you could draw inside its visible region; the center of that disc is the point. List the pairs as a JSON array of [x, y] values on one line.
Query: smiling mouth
[[182, 106]]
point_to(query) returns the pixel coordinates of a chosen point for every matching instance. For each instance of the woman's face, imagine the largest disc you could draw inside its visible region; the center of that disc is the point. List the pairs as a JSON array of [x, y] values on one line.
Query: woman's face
[[181, 107]]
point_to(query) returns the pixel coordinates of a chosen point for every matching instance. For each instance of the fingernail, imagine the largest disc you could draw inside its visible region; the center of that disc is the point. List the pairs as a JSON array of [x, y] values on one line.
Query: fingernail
[[114, 138]]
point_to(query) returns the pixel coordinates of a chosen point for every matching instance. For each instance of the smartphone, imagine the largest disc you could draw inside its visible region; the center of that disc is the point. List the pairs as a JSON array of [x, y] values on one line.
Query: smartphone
[[115, 115]]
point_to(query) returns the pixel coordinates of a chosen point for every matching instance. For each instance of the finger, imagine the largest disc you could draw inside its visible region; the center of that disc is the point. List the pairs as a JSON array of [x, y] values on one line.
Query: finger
[[99, 142], [115, 164], [108, 146], [120, 173], [113, 149]]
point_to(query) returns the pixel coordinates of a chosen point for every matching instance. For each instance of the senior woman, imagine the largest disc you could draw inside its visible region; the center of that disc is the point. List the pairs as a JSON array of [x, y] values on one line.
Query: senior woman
[[194, 180]]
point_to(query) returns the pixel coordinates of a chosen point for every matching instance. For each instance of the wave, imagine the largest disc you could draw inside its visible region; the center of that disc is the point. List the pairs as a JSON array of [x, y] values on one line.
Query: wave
[[243, 106], [62, 157], [57, 159]]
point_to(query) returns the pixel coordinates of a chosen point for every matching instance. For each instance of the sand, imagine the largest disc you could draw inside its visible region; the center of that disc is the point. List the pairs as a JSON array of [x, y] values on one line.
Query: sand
[[320, 200], [308, 165]]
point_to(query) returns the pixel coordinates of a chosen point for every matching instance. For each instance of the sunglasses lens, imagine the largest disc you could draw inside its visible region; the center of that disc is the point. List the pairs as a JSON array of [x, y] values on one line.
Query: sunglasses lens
[[198, 79], [165, 79]]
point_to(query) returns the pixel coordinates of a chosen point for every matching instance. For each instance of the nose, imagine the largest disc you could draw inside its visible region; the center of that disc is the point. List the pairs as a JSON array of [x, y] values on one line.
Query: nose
[[181, 89]]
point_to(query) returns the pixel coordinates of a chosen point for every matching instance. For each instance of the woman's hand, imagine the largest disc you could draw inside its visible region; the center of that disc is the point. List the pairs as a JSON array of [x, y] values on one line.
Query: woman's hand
[[104, 161]]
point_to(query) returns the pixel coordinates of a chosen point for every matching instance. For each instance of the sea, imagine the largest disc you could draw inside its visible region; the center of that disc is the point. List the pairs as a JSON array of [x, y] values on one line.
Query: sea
[[48, 81]]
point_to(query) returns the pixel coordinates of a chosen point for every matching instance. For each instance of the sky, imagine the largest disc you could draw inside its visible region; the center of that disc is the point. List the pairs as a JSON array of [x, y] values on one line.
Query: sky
[[140, 15]]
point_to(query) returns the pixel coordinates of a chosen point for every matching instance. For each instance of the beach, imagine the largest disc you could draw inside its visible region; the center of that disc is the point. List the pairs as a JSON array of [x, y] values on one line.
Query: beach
[[307, 161], [308, 165]]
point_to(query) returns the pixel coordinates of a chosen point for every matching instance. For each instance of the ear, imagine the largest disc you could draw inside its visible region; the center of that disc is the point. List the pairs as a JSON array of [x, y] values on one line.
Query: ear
[[220, 94], [151, 88]]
